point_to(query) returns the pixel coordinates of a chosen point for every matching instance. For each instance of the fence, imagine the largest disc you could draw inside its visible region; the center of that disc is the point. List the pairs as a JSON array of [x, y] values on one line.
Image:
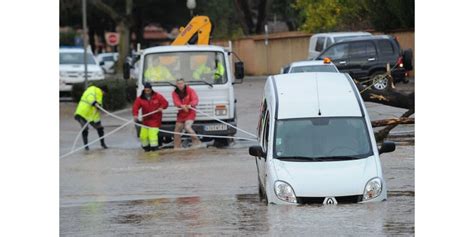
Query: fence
[[263, 58]]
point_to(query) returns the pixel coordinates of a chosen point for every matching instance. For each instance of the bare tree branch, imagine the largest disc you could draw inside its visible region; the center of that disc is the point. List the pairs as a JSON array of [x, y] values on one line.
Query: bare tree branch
[[394, 121], [107, 10]]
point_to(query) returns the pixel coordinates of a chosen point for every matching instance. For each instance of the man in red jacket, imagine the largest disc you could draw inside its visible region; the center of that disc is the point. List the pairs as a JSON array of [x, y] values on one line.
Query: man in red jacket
[[148, 102], [184, 97]]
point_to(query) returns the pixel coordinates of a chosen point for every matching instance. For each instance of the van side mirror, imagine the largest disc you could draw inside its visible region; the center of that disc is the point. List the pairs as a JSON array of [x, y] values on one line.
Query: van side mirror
[[239, 71], [101, 63], [126, 71], [257, 151], [387, 146]]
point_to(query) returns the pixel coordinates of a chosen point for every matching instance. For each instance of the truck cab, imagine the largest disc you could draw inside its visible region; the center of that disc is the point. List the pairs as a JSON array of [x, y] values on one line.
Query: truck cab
[[206, 69]]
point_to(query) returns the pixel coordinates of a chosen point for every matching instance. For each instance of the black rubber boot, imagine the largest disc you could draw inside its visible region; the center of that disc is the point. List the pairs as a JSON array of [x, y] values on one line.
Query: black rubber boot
[[100, 131], [85, 133], [153, 148], [146, 148]]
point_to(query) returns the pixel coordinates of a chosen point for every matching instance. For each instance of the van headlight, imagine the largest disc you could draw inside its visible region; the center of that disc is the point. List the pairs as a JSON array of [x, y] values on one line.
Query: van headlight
[[284, 192], [62, 74], [372, 189]]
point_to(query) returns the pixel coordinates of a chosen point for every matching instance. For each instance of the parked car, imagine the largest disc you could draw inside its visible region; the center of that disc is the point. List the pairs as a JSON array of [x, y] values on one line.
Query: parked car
[[309, 66], [319, 42], [107, 61], [318, 148], [367, 58], [71, 68]]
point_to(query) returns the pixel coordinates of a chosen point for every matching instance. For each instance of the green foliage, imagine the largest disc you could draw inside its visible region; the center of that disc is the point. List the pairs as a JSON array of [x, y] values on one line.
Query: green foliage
[[329, 15], [319, 15], [391, 14], [66, 38], [223, 17], [120, 92]]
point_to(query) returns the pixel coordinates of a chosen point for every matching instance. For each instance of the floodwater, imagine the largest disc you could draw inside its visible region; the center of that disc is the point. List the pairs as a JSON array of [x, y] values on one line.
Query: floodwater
[[123, 191], [212, 192]]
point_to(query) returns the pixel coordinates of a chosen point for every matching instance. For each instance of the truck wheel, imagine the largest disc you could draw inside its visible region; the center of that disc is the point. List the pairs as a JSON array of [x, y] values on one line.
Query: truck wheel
[[221, 142], [408, 59], [380, 81]]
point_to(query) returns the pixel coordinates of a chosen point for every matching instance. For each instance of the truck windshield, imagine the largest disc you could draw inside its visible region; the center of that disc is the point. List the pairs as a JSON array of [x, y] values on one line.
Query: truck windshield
[[195, 67], [322, 138]]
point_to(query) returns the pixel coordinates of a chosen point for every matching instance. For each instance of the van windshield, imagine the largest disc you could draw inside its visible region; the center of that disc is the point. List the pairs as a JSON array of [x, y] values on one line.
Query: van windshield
[[322, 138], [195, 67], [75, 58]]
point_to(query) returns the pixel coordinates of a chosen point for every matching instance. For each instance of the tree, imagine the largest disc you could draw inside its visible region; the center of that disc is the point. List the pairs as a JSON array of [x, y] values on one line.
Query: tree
[[124, 22], [391, 97], [252, 15]]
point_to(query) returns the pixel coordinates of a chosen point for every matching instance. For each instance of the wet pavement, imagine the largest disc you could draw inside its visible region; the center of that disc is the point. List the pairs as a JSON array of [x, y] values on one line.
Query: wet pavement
[[123, 191]]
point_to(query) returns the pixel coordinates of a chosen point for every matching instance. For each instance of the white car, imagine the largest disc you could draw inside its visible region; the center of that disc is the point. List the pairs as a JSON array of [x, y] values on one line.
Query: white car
[[71, 68], [315, 142], [107, 61], [309, 66], [319, 42]]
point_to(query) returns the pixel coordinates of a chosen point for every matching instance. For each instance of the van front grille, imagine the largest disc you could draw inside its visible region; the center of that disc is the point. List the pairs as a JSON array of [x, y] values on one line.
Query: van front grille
[[320, 200]]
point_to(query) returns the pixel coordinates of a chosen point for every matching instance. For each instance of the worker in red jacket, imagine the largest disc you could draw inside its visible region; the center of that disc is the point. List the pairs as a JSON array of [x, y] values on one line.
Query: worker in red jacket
[[148, 102], [185, 98]]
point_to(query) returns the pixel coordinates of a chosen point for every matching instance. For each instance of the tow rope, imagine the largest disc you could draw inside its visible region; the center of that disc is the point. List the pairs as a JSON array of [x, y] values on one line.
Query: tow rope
[[127, 122]]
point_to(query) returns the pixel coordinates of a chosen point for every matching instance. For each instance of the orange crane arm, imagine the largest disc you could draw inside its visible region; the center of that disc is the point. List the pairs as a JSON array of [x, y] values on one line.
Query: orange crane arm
[[200, 27]]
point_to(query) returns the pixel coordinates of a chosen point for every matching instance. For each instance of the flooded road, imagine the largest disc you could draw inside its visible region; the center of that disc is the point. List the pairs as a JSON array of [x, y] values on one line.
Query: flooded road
[[124, 191]]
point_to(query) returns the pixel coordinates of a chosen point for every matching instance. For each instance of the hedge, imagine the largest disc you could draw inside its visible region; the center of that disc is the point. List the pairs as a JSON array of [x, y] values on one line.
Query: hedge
[[121, 92]]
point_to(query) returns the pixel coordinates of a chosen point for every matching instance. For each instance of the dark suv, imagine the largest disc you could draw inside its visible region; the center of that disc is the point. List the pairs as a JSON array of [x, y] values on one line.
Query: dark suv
[[367, 58]]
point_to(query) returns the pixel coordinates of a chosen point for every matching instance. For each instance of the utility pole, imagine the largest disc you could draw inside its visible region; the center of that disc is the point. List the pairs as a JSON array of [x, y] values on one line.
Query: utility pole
[[84, 39]]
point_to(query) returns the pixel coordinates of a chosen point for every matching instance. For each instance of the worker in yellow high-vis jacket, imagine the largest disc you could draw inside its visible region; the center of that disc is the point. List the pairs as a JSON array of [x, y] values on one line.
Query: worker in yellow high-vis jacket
[[87, 112], [158, 72], [210, 67]]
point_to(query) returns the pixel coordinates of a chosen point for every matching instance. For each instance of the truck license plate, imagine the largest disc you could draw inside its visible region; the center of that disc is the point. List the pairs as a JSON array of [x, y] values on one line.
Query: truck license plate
[[216, 127]]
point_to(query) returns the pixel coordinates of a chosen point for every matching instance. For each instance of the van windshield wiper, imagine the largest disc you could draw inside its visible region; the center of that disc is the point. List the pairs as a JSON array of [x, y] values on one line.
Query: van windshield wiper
[[167, 82], [296, 158], [318, 159], [336, 158], [203, 81]]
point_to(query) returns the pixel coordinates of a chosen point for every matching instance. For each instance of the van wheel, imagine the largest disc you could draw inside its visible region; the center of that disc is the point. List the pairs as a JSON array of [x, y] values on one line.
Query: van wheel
[[221, 142], [379, 80]]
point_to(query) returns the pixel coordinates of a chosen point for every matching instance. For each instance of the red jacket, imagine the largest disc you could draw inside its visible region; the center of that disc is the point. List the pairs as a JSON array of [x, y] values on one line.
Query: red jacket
[[189, 98], [157, 101]]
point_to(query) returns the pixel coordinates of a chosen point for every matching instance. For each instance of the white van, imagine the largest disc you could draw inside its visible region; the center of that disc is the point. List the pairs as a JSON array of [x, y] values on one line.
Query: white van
[[315, 142], [319, 42]]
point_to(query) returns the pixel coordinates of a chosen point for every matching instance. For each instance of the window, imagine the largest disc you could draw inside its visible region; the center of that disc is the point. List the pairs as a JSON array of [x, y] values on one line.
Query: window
[[337, 52], [329, 41], [386, 48], [362, 49], [195, 67], [263, 108], [314, 68], [75, 58], [322, 137], [320, 44], [266, 126]]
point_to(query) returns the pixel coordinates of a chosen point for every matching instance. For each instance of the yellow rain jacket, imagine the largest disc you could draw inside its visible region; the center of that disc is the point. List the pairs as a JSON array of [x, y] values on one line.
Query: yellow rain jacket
[[158, 73], [85, 108], [203, 68]]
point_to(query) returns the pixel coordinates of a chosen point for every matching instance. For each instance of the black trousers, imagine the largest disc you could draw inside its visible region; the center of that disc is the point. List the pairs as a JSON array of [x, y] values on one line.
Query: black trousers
[[97, 125]]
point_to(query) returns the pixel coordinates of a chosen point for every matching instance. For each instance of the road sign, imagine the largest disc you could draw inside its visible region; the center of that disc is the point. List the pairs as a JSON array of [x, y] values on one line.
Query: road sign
[[112, 38]]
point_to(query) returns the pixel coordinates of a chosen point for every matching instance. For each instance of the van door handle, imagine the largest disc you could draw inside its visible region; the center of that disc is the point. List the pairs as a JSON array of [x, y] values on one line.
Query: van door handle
[[342, 62], [371, 59]]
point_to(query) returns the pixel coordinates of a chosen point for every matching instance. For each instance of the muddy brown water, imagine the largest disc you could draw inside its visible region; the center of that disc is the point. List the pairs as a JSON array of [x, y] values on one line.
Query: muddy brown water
[[122, 192]]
